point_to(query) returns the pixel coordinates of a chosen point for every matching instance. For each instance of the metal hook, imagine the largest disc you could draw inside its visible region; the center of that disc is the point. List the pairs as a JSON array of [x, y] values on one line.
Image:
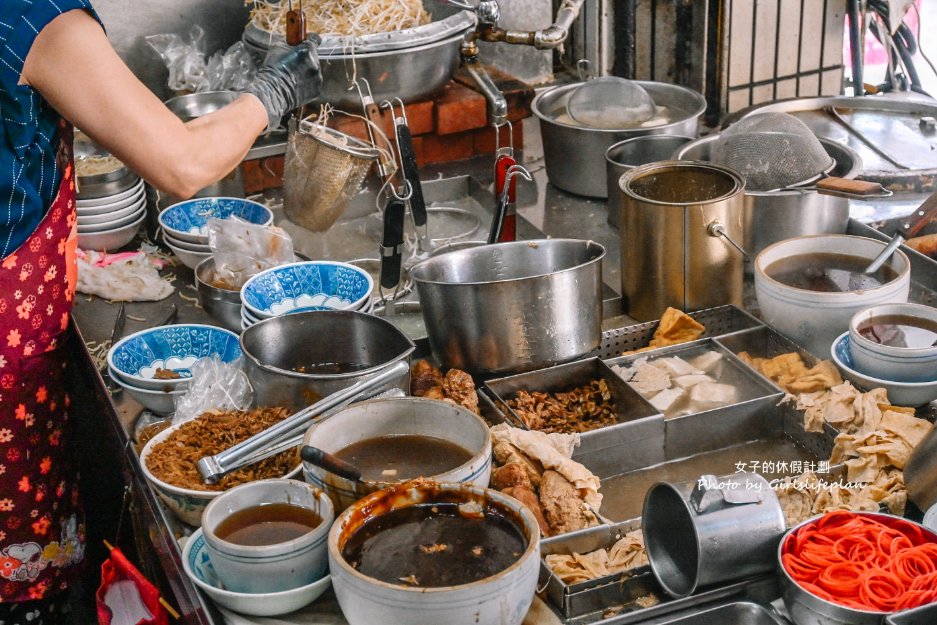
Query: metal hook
[[514, 170], [407, 194], [510, 147], [583, 69]]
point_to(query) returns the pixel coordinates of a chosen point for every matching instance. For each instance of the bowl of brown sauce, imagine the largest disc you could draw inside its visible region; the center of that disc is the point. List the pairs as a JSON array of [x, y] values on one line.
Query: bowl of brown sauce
[[268, 536], [424, 552], [395, 440], [810, 287], [895, 342]]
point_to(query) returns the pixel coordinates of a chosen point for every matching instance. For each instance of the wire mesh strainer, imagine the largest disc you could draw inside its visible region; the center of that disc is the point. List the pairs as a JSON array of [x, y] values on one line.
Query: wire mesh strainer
[[322, 170], [610, 102], [772, 151]]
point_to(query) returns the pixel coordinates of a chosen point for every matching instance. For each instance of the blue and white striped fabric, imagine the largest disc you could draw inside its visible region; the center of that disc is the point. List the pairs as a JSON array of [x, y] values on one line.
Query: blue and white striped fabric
[[29, 174]]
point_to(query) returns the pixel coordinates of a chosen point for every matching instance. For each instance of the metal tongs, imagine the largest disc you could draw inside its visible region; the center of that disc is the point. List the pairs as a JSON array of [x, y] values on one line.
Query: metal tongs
[[289, 432], [411, 173], [501, 211]]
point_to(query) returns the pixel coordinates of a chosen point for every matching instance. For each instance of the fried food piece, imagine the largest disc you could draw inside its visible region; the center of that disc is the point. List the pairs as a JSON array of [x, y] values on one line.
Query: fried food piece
[[513, 474], [562, 506], [423, 377], [791, 373], [578, 410], [166, 374], [460, 388], [676, 327], [527, 497], [506, 454]]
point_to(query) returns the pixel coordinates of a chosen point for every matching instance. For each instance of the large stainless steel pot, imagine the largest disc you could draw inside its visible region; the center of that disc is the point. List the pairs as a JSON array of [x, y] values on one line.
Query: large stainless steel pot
[[575, 155], [512, 307], [772, 216], [277, 350]]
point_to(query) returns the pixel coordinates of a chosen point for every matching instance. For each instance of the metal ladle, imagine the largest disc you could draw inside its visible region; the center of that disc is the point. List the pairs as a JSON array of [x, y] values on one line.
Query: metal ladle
[[925, 214], [331, 463]]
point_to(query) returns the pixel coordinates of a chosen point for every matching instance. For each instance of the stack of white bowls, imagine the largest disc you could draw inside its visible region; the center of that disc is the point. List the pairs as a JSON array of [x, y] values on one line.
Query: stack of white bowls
[[109, 222], [185, 225]]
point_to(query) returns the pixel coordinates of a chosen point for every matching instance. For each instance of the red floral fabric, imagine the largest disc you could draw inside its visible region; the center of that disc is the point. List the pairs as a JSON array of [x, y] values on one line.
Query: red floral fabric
[[41, 530]]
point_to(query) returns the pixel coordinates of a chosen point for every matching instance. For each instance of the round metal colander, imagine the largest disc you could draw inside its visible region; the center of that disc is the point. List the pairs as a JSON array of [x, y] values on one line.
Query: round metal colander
[[772, 151], [610, 102], [323, 168]]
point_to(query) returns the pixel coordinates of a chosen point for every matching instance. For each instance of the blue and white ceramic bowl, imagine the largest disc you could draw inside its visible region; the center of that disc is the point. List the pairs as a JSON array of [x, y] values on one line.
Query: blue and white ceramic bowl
[[161, 402], [899, 393], [136, 358], [312, 285], [198, 567], [188, 220]]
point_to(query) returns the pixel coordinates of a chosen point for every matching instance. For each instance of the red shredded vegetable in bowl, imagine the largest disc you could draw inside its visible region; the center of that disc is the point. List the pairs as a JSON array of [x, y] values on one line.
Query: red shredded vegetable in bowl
[[862, 561]]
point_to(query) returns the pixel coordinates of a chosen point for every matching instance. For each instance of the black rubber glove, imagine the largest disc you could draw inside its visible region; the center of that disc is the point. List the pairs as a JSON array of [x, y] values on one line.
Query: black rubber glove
[[289, 78]]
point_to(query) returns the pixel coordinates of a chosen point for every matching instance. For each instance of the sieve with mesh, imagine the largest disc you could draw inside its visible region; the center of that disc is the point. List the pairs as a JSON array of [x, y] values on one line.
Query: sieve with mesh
[[772, 151], [322, 170], [610, 102]]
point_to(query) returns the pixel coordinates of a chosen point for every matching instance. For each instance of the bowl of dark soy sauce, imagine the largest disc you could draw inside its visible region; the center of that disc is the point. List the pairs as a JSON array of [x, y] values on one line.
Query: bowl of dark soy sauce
[[896, 342]]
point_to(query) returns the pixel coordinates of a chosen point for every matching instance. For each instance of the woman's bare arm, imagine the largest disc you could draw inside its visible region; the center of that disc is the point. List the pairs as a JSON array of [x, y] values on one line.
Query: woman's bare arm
[[74, 67]]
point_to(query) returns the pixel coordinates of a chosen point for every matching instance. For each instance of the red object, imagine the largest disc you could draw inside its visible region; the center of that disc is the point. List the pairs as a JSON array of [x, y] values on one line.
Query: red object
[[41, 530], [117, 568], [509, 226], [867, 563]]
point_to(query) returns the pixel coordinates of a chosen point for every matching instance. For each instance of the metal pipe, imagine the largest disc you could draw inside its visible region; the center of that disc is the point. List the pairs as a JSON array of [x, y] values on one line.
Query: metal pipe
[[554, 36], [855, 46]]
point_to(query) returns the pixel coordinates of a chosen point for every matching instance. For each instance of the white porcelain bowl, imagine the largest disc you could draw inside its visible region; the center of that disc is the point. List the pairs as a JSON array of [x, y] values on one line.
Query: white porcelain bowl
[[112, 223], [110, 240], [401, 416], [187, 257], [901, 364], [99, 209], [186, 245], [814, 319], [186, 503], [275, 567], [199, 568], [108, 201], [899, 393], [119, 214], [162, 402], [501, 599]]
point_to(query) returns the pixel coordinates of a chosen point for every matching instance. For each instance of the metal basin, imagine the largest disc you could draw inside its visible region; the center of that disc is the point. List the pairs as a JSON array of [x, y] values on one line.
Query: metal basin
[[188, 107], [224, 305], [277, 350], [575, 155], [512, 307], [772, 216]]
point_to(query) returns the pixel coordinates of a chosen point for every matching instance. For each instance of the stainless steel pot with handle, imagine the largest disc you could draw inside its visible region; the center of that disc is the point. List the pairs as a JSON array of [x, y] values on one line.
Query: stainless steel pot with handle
[[772, 216], [512, 307]]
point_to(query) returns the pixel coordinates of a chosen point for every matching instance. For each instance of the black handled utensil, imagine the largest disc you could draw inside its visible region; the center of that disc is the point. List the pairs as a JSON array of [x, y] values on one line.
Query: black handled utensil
[[330, 463], [926, 213], [392, 243]]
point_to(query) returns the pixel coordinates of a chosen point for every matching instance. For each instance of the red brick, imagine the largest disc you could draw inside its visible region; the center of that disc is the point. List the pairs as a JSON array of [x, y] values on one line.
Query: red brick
[[458, 108], [260, 174], [441, 149], [420, 117], [518, 94]]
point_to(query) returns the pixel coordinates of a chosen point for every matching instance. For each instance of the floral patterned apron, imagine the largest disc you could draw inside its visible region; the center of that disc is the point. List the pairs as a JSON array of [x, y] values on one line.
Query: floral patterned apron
[[41, 528]]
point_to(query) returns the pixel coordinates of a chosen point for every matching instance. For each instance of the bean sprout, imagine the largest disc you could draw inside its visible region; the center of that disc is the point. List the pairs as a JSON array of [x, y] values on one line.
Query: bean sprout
[[342, 17]]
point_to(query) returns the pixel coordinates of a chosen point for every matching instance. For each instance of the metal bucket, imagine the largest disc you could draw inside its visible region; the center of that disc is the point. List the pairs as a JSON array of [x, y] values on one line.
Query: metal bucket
[[630, 153], [583, 174], [772, 216], [711, 530], [671, 252], [512, 307], [276, 350]]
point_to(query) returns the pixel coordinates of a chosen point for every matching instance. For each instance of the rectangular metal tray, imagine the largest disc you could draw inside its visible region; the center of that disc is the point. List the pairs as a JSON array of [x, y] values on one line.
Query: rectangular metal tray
[[718, 321], [735, 613], [640, 427], [925, 615], [724, 426]]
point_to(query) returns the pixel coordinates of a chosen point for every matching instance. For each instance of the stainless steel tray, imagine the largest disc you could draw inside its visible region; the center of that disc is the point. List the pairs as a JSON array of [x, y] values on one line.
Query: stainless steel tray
[[719, 427], [640, 427], [925, 615]]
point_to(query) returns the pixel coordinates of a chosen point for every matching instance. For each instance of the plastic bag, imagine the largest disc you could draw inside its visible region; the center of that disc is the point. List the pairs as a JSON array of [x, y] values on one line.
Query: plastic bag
[[215, 385], [243, 249], [189, 70], [184, 58]]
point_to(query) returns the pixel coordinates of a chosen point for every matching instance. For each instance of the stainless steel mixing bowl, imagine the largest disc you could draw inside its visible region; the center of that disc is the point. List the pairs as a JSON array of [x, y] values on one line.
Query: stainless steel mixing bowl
[[277, 350], [512, 307]]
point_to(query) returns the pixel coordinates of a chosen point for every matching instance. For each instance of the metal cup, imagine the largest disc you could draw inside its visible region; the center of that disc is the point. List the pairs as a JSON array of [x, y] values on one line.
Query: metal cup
[[630, 153], [680, 225], [711, 530]]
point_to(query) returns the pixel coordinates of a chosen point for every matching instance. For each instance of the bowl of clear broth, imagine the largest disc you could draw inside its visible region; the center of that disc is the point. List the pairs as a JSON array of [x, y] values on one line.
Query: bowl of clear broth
[[810, 287], [422, 552], [395, 440], [268, 536], [895, 342]]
